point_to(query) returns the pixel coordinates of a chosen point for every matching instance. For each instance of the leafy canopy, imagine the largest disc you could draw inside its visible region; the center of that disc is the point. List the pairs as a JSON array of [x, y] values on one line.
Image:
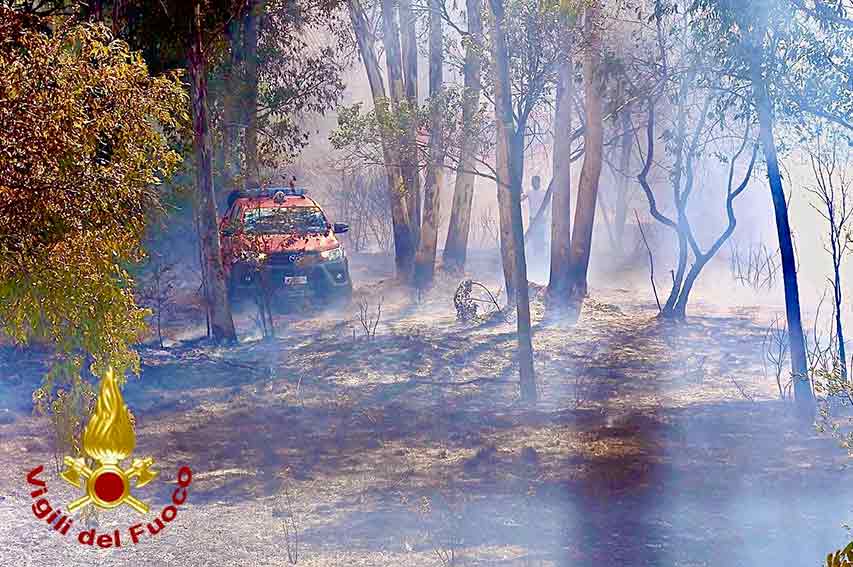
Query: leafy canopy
[[87, 134]]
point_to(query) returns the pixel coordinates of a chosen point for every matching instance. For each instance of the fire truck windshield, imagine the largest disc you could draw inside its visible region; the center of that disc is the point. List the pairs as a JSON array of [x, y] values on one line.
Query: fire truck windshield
[[284, 220]]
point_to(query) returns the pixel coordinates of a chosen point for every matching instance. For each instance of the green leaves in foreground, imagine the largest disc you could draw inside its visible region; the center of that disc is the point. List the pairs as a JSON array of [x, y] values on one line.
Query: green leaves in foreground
[[841, 558], [87, 136]]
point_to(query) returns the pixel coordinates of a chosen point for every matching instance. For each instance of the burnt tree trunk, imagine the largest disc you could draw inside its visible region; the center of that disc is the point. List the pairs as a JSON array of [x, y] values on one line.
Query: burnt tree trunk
[[221, 322], [405, 252], [459, 228], [425, 261], [503, 167], [509, 186], [593, 155], [561, 213]]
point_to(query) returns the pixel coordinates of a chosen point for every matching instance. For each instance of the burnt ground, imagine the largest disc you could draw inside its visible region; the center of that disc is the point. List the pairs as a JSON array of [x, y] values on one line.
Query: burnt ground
[[652, 445]]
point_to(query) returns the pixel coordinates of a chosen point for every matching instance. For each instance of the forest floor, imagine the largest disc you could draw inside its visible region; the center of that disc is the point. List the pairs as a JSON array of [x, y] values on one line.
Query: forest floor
[[652, 444]]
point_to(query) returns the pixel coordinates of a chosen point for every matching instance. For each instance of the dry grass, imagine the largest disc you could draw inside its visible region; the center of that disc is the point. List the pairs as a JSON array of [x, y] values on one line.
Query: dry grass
[[427, 411]]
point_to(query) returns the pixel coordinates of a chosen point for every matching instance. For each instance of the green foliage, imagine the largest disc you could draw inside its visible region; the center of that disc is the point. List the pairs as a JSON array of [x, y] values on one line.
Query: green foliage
[[297, 73], [841, 558], [806, 58], [537, 35], [360, 134], [835, 392], [87, 136]]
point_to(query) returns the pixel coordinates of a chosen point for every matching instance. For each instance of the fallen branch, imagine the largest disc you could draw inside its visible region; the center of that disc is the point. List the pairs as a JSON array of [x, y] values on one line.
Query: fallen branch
[[742, 391]]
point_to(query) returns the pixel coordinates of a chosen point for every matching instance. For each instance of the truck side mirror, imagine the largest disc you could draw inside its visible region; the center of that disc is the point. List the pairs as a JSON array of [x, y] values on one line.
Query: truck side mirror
[[341, 227]]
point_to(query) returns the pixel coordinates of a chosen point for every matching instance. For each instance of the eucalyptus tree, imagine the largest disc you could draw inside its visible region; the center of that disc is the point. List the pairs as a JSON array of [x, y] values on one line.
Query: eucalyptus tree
[[284, 61], [459, 227], [593, 81], [787, 60], [428, 242], [361, 134], [88, 134], [508, 170], [174, 34], [532, 56]]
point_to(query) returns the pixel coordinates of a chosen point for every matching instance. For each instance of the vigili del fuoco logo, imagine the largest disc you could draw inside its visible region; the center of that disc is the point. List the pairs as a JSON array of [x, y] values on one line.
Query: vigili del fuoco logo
[[108, 439]]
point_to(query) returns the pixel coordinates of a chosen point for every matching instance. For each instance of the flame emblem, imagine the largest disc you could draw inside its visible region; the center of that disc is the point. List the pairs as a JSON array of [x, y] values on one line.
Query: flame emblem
[[109, 439]]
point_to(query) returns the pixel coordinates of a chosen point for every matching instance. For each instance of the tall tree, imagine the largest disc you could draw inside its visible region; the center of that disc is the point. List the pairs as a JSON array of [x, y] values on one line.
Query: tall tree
[[764, 108], [581, 245], [402, 111], [425, 261], [219, 310], [404, 243], [172, 34], [459, 227], [252, 21], [271, 45], [531, 31], [509, 192], [753, 56], [411, 171], [561, 237], [229, 149], [76, 192]]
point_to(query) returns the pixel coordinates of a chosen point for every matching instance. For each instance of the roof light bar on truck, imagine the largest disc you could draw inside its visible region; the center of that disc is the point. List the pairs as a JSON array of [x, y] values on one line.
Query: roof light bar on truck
[[271, 191]]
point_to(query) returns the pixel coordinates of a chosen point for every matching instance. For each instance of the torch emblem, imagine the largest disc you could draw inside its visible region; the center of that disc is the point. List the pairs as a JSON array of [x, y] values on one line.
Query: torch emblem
[[108, 439]]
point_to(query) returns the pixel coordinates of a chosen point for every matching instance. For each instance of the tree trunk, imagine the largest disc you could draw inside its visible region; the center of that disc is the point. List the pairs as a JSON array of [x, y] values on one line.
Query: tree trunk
[[403, 241], [620, 208], [504, 153], [459, 228], [251, 29], [503, 160], [425, 261], [679, 310], [561, 211], [509, 185], [221, 323], [799, 364], [839, 327], [229, 158], [592, 160], [411, 175], [668, 311]]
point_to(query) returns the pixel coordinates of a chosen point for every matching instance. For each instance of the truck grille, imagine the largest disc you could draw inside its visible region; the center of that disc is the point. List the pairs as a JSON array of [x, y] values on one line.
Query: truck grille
[[288, 259]]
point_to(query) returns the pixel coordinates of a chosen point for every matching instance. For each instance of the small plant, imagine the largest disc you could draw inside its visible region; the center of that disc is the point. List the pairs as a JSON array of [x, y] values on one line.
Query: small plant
[[775, 354], [290, 523], [834, 391], [368, 321], [754, 266], [443, 519], [67, 399], [157, 291]]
